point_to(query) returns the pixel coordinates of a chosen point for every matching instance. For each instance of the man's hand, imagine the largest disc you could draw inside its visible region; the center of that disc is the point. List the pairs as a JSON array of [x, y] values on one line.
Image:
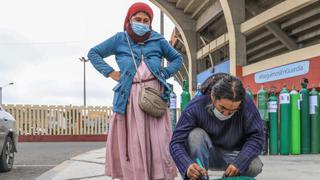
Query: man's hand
[[115, 75], [231, 171], [195, 172]]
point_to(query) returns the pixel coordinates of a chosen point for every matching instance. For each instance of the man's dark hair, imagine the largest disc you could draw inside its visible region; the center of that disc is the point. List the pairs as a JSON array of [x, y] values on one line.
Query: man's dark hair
[[228, 87], [210, 81]]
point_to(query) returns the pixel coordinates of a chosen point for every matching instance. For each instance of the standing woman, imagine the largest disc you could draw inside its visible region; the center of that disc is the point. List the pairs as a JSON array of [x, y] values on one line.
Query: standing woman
[[138, 144]]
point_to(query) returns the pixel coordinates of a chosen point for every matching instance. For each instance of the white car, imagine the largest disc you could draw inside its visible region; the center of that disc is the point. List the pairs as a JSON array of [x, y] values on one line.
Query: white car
[[8, 140]]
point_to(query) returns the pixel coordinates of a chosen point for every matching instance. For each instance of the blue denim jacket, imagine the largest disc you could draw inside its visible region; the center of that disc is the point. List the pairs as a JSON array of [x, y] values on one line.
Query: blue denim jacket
[[152, 50]]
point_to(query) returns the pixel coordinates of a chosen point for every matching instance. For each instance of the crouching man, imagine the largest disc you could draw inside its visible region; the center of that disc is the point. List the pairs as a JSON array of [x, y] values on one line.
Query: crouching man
[[223, 130]]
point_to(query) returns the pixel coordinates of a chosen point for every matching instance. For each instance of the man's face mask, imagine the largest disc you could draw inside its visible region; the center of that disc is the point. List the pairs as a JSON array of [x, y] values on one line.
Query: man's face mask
[[224, 109], [220, 116]]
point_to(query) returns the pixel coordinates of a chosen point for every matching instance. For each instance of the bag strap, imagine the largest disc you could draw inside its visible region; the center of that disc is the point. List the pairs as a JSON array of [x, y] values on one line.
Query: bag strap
[[134, 59]]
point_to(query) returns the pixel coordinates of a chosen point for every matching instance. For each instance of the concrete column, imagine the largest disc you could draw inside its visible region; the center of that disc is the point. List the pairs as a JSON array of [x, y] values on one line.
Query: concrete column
[[187, 29], [234, 12], [0, 95]]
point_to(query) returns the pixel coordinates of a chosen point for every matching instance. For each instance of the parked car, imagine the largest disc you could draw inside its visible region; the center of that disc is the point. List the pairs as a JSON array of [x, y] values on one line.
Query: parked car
[[8, 140]]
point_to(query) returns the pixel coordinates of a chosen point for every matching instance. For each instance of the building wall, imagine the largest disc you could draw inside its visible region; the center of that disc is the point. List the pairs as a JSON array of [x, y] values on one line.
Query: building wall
[[313, 76]]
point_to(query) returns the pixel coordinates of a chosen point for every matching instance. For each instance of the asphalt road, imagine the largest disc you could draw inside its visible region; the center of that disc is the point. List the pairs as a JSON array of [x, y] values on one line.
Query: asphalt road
[[33, 159]]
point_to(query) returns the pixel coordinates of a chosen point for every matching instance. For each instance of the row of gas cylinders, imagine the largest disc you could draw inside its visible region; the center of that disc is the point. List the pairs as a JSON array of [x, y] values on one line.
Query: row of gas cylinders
[[297, 113]]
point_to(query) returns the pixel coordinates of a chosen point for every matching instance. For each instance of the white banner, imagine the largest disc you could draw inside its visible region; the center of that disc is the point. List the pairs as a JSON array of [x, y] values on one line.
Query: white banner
[[313, 101], [272, 106], [282, 72], [173, 103], [285, 98]]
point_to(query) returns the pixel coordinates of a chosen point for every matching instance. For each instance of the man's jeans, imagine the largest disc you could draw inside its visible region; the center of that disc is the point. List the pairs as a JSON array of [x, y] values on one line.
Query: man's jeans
[[214, 158]]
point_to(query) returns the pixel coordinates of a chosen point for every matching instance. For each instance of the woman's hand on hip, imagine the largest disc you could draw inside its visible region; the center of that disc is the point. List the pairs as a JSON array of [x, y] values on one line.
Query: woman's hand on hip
[[115, 75]]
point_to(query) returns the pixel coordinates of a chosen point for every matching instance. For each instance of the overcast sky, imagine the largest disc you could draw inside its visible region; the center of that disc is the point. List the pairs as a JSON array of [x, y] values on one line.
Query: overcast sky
[[41, 41]]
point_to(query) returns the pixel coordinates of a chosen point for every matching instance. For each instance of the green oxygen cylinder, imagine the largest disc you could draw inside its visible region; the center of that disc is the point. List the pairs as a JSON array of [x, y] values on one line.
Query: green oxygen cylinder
[[295, 122], [319, 119], [305, 118], [185, 95], [173, 108], [315, 123], [284, 99], [262, 98], [249, 92], [273, 119]]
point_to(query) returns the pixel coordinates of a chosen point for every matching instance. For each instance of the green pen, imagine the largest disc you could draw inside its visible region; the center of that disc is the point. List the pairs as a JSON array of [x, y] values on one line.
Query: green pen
[[199, 163]]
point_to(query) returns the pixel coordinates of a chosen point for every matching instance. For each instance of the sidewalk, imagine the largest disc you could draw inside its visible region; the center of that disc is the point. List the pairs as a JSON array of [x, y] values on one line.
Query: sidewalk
[[90, 165]]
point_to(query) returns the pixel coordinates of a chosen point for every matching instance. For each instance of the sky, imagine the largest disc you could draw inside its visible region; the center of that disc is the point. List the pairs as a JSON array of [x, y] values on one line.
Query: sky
[[41, 42]]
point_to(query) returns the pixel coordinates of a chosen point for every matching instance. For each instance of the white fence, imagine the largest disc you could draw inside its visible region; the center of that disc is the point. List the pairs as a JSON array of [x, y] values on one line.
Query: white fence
[[61, 120]]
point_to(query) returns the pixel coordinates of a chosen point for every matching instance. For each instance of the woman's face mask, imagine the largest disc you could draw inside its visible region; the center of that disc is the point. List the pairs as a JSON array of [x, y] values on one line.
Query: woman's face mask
[[139, 28], [140, 23]]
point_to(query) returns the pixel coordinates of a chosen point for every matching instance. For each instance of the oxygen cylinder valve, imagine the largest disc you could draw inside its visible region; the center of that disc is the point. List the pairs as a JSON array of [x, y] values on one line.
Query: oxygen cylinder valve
[[304, 82]]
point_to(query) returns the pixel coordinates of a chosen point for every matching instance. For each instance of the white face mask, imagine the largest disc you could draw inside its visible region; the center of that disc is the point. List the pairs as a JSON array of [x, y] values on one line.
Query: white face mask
[[220, 116]]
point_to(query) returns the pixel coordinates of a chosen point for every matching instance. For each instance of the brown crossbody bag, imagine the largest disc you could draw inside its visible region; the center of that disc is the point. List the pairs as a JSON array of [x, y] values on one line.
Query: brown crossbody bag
[[150, 100]]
